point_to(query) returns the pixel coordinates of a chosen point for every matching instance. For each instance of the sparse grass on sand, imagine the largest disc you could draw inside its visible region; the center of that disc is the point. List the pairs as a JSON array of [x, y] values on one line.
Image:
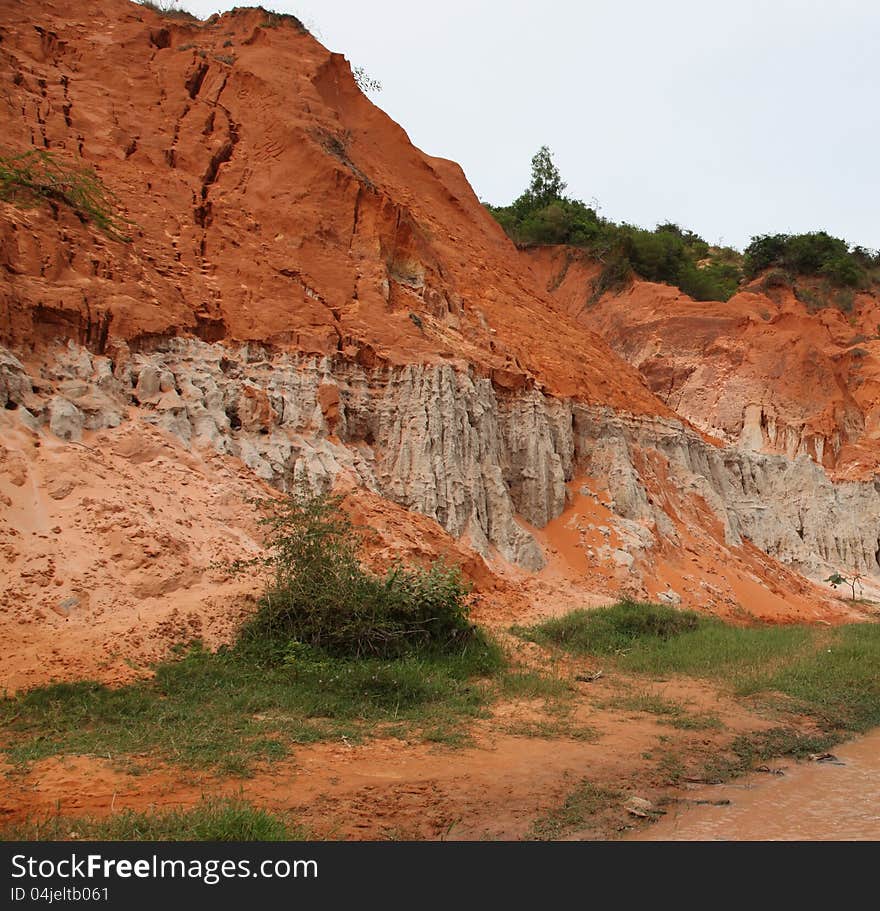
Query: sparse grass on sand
[[667, 711], [585, 801]]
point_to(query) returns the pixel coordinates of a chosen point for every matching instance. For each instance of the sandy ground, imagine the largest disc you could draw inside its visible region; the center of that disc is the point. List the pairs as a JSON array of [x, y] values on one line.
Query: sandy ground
[[112, 553]]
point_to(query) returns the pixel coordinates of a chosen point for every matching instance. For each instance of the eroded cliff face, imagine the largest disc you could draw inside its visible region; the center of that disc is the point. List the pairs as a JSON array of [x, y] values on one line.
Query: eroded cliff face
[[484, 463], [268, 200], [308, 298], [764, 370]]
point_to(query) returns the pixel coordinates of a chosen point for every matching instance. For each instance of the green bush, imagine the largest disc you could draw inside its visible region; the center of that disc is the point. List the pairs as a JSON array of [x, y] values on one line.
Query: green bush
[[320, 595], [816, 253], [37, 175]]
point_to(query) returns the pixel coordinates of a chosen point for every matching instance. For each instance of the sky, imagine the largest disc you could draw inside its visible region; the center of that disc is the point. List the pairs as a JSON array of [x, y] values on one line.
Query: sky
[[730, 117]]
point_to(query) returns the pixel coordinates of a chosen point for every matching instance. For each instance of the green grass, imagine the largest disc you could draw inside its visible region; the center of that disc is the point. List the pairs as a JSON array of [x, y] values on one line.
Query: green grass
[[838, 682], [611, 630], [533, 685], [585, 801], [667, 711], [560, 728], [696, 722], [829, 675], [38, 176], [228, 710], [219, 819], [749, 750], [648, 703]]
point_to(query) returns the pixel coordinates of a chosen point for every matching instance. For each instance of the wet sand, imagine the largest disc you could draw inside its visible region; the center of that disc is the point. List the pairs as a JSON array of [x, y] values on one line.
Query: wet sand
[[812, 801]]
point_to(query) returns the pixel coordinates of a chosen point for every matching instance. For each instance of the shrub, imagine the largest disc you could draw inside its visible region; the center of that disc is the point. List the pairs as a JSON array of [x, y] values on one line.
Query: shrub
[[365, 82], [38, 175], [320, 595], [815, 253], [777, 278], [716, 281], [616, 274], [170, 8]]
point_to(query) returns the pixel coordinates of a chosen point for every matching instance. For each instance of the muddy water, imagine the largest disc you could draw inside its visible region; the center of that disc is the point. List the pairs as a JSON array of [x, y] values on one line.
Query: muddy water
[[812, 801]]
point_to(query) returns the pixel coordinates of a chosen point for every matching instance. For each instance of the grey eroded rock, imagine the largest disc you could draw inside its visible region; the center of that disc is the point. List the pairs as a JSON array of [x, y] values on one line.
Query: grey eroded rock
[[444, 442], [65, 419], [15, 384]]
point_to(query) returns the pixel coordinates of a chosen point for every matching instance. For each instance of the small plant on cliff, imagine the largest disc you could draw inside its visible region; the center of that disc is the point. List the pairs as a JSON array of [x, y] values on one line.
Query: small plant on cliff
[[320, 596], [37, 176], [365, 82], [167, 8], [277, 20], [836, 579]]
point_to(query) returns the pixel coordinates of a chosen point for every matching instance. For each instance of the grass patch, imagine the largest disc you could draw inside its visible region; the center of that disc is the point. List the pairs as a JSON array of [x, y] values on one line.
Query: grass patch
[[667, 712], [838, 682], [672, 767], [696, 722], [231, 709], [533, 685], [611, 630], [560, 728], [749, 750], [827, 675], [219, 819], [585, 801], [648, 703], [39, 176]]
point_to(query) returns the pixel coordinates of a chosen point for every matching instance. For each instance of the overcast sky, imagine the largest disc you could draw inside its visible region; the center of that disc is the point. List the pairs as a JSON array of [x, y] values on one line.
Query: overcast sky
[[730, 117]]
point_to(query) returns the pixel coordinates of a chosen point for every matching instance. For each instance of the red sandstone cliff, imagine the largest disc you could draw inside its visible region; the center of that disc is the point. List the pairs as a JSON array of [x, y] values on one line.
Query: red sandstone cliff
[[307, 295]]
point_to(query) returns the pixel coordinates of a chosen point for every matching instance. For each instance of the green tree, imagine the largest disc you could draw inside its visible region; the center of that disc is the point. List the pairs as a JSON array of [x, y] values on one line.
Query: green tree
[[547, 184]]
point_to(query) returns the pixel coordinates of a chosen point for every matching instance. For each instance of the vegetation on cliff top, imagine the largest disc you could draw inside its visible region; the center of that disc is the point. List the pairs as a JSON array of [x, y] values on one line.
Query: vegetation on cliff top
[[815, 254], [543, 214]]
